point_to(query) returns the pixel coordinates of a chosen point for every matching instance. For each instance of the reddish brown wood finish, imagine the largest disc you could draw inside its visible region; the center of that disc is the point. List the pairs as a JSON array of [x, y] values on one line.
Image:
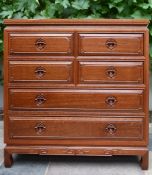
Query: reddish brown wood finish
[[110, 100], [38, 71], [76, 87], [45, 43], [110, 72], [111, 44], [81, 128]]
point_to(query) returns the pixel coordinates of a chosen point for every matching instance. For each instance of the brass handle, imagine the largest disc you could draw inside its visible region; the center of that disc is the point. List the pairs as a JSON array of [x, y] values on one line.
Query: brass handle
[[111, 128], [111, 44], [40, 128], [40, 43], [40, 72], [111, 72], [111, 101], [40, 99]]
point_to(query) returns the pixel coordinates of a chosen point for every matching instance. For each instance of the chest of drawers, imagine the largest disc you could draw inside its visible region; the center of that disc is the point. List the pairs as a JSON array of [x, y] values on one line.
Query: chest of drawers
[[76, 87]]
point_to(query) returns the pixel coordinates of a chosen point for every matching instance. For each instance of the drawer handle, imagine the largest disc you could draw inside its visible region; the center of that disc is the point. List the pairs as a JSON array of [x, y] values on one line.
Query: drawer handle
[[40, 128], [111, 129], [40, 43], [40, 99], [111, 44], [40, 72], [111, 101], [111, 72]]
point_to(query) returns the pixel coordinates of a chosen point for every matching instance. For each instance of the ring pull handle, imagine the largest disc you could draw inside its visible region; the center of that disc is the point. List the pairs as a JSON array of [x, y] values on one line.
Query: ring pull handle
[[40, 99], [40, 72], [40, 128], [40, 43], [111, 101], [111, 44], [111, 72], [111, 129]]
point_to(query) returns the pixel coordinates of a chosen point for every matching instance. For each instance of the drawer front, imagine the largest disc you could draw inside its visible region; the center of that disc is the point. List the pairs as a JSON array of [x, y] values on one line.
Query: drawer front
[[41, 71], [110, 100], [41, 43], [80, 128], [110, 72], [111, 44]]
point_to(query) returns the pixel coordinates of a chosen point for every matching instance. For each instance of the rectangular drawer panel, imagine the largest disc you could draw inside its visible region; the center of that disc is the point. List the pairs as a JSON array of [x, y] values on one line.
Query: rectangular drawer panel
[[77, 128], [39, 71], [110, 72], [41, 43], [111, 44], [76, 99]]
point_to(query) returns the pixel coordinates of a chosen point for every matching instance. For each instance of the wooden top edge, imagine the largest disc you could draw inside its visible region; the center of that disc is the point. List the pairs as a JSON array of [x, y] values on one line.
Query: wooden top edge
[[76, 21]]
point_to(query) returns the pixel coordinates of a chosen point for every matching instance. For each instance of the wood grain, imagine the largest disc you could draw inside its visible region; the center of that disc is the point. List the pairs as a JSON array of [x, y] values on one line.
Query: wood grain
[[76, 87]]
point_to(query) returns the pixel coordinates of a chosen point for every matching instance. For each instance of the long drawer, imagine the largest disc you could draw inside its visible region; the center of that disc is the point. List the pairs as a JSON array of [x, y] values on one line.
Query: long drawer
[[40, 71], [110, 100], [77, 128], [41, 43], [110, 44], [93, 72]]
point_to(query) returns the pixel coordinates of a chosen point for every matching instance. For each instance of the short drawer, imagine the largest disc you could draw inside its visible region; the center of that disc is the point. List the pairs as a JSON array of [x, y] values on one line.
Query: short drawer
[[77, 128], [41, 43], [41, 71], [110, 72], [110, 44], [110, 100]]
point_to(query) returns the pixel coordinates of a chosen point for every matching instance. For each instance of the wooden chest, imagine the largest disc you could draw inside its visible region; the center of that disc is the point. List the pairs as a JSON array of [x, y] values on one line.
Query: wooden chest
[[76, 87]]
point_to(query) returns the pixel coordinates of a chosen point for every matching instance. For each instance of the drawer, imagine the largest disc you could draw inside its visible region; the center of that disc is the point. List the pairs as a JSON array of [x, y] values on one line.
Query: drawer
[[41, 71], [110, 44], [110, 100], [41, 43], [110, 72], [77, 128]]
